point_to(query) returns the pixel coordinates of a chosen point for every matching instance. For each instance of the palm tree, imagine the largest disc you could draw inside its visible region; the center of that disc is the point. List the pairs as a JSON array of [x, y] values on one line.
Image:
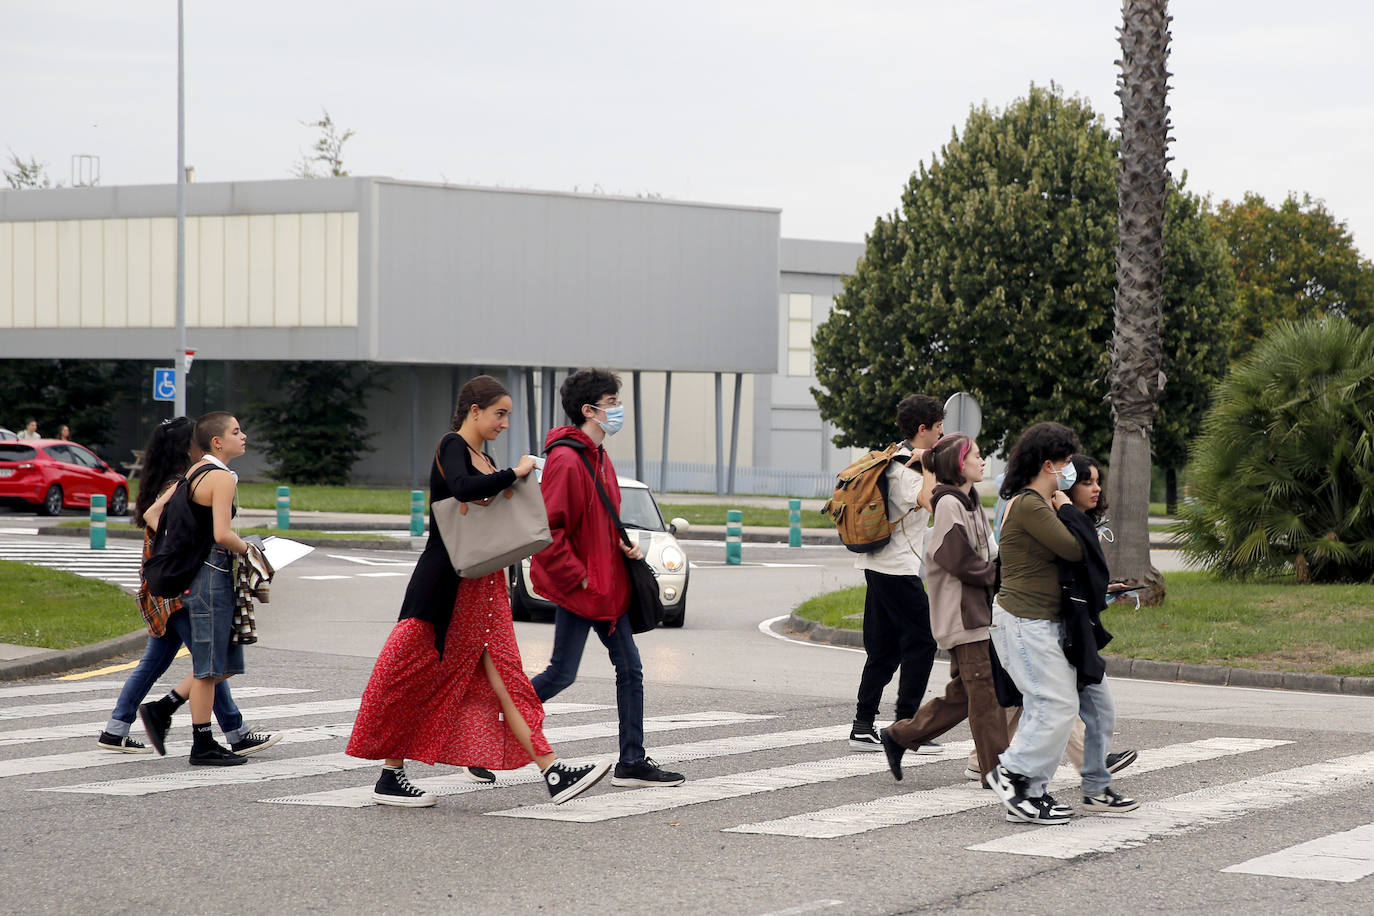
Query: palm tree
[[1136, 378]]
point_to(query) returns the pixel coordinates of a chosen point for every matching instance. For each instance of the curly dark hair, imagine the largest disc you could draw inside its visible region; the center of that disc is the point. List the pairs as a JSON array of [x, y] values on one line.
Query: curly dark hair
[[586, 386], [918, 410], [1082, 466], [165, 458], [482, 391], [1038, 444]]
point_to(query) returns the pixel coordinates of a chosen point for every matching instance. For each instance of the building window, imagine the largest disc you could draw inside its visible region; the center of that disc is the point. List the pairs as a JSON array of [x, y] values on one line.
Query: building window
[[798, 334]]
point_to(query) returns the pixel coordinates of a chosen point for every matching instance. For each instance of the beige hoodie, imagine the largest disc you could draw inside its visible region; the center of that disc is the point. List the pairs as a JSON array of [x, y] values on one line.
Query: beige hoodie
[[960, 572]]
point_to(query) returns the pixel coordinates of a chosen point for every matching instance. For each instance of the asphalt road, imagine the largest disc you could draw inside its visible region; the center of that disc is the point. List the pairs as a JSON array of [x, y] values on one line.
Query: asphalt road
[[777, 816]]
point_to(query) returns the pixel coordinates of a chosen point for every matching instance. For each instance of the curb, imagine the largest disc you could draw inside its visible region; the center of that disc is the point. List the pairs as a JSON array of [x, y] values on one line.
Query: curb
[[1145, 669], [357, 543], [52, 661]]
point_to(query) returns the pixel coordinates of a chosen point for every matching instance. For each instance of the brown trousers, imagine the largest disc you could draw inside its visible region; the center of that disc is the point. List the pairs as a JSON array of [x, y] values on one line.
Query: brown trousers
[[968, 695]]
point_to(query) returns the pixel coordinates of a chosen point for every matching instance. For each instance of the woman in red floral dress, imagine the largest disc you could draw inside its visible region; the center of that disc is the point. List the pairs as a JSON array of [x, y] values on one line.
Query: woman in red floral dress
[[448, 686]]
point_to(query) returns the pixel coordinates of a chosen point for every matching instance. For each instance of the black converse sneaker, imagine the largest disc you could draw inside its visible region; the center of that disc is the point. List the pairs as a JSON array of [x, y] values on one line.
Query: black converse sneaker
[[1044, 811], [567, 782], [393, 788], [157, 722], [1118, 762], [646, 774], [479, 774], [1012, 789], [894, 752], [1109, 801], [864, 737], [122, 743], [252, 742]]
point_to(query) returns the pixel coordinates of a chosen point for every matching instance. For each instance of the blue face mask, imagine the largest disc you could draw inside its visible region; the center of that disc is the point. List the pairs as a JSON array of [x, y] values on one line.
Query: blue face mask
[[1066, 477], [615, 418]]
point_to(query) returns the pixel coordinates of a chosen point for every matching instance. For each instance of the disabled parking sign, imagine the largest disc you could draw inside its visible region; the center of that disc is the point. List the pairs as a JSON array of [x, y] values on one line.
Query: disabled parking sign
[[164, 384]]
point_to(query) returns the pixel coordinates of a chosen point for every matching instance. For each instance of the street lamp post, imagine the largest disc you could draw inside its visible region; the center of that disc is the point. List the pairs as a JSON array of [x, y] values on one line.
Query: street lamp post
[[181, 367]]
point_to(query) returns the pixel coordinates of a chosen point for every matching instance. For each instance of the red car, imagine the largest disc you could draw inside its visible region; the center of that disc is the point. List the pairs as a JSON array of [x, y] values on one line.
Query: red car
[[50, 474]]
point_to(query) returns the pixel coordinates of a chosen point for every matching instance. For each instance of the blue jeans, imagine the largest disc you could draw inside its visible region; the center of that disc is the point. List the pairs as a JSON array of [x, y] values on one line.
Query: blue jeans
[[210, 604], [157, 658], [1032, 652], [1098, 712], [569, 639]]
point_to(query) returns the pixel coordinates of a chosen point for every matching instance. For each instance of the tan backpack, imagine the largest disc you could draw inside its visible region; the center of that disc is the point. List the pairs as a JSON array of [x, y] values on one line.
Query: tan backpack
[[858, 507]]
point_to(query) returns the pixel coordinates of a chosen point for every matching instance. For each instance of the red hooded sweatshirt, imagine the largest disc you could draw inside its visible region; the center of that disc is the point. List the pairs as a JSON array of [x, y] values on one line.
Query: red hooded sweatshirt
[[586, 542]]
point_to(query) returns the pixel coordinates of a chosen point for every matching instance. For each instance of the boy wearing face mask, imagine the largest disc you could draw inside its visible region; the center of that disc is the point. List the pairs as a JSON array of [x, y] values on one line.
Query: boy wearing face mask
[[582, 571]]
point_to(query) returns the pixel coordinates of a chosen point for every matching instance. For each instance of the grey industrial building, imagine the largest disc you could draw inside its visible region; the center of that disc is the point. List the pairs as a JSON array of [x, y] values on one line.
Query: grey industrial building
[[706, 311]]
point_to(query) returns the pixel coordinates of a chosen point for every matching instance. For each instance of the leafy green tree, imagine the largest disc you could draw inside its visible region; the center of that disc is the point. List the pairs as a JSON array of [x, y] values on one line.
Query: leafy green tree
[[315, 429], [1282, 478], [80, 393], [1292, 262], [996, 276], [22, 175], [327, 149]]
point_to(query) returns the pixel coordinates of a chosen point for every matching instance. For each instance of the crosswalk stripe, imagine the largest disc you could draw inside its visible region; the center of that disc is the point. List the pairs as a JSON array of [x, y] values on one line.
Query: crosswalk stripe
[[585, 810], [34, 710], [295, 768], [458, 784], [909, 807], [1345, 857], [1190, 811], [50, 689]]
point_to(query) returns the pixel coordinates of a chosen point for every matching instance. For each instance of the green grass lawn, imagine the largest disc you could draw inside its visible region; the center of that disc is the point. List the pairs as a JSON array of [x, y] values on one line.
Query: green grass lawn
[[764, 518], [59, 610], [1276, 624], [308, 498], [290, 533]]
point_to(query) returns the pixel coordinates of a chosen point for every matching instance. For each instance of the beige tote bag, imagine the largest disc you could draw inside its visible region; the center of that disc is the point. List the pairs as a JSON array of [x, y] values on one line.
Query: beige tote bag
[[490, 534]]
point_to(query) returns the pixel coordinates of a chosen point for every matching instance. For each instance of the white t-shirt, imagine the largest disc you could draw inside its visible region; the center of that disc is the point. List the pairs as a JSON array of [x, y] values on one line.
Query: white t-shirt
[[904, 554]]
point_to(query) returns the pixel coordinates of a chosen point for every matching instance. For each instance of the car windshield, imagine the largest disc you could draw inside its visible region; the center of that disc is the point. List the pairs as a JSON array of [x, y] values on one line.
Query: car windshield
[[13, 451], [638, 509]]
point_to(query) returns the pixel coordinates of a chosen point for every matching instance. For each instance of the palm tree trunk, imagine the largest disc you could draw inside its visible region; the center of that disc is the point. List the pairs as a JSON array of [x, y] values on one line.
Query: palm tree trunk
[[1136, 375]]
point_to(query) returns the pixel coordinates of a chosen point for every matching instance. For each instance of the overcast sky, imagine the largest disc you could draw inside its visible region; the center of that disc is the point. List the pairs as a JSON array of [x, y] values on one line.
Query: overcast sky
[[821, 109]]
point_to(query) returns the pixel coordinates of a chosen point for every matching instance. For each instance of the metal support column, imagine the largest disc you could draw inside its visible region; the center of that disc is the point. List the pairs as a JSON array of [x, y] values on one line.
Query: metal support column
[[531, 413], [720, 441], [639, 427], [663, 455], [549, 402], [734, 430]]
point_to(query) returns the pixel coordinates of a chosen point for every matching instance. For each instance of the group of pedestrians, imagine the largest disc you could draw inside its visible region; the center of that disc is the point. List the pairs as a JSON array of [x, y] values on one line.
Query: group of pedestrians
[[1018, 612]]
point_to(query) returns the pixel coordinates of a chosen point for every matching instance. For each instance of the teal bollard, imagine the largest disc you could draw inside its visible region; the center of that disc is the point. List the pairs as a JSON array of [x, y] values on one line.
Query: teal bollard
[[98, 521], [417, 513], [283, 508], [734, 536], [794, 523]]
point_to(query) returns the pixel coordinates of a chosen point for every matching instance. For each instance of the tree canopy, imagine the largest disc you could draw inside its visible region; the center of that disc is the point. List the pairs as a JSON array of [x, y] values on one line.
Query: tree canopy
[[1292, 262], [996, 276]]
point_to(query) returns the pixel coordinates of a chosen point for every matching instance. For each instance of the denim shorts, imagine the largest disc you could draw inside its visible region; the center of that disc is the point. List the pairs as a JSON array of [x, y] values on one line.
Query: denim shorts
[[210, 604]]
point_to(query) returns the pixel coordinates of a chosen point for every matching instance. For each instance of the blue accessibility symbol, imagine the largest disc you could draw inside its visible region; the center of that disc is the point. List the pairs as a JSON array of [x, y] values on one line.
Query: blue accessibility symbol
[[164, 384]]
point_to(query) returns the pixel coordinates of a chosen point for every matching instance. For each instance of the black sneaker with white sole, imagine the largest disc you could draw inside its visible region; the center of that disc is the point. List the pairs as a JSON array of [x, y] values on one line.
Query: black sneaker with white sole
[[252, 742], [864, 737], [1118, 762], [215, 755], [567, 782], [1012, 789], [157, 722], [122, 743], [894, 752], [645, 774], [393, 788], [479, 774], [1044, 811], [1109, 801]]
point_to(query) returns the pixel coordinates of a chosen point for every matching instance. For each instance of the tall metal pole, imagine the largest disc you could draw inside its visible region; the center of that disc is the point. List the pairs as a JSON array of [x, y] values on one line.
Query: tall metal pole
[[181, 369]]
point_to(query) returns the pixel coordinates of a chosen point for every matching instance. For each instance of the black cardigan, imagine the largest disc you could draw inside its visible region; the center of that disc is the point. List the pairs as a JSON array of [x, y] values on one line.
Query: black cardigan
[[433, 587], [1083, 596]]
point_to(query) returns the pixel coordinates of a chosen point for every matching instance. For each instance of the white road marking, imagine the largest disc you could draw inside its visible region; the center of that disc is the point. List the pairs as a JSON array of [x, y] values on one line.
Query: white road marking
[[458, 784], [47, 689], [372, 561], [321, 578], [379, 575], [591, 809], [1345, 857], [1191, 811], [766, 628], [909, 807], [296, 768], [35, 710]]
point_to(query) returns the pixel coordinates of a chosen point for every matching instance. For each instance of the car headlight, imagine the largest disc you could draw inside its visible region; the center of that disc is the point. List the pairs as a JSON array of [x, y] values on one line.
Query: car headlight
[[673, 559]]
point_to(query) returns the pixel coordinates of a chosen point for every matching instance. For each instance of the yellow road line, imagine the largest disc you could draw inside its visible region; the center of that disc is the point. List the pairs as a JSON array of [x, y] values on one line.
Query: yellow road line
[[181, 653]]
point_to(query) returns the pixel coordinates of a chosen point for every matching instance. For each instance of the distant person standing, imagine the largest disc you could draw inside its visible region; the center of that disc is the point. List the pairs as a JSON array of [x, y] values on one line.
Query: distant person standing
[[896, 611], [65, 433], [30, 430]]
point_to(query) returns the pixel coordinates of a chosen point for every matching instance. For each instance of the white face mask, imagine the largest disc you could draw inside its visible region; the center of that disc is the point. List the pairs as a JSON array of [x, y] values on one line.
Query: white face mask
[[1066, 477]]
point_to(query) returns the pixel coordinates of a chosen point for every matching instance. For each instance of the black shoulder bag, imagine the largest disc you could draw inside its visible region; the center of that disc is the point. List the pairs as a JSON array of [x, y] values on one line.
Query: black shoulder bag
[[646, 607], [179, 546]]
